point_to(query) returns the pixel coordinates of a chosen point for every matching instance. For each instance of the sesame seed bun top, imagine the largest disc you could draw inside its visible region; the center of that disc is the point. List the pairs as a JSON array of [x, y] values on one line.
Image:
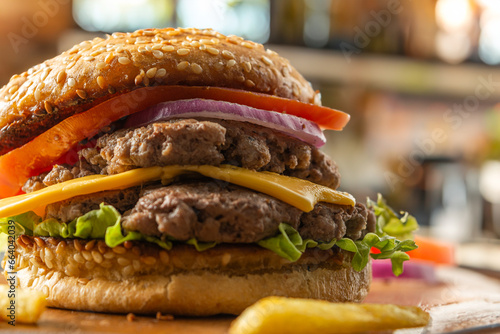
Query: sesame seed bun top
[[94, 71]]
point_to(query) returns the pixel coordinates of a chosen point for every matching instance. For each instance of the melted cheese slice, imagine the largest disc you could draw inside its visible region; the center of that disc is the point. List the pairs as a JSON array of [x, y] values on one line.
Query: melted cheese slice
[[297, 192]]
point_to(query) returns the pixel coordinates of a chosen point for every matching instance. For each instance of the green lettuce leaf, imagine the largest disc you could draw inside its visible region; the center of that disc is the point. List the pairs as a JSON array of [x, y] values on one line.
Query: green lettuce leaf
[[114, 237], [201, 246], [289, 244], [24, 223], [389, 223]]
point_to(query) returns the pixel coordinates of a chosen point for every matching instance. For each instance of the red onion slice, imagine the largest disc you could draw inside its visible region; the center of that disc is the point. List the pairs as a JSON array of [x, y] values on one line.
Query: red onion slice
[[294, 126]]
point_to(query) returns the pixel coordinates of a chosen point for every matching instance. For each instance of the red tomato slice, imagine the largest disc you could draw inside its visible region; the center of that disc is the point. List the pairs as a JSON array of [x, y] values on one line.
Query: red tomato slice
[[18, 165]]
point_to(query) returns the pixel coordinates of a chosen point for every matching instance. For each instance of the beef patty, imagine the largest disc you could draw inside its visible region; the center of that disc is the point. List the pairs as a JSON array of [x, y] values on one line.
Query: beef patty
[[197, 142], [211, 210]]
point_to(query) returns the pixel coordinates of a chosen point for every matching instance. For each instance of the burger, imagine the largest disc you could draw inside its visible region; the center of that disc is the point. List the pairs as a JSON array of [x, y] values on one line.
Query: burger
[[178, 171]]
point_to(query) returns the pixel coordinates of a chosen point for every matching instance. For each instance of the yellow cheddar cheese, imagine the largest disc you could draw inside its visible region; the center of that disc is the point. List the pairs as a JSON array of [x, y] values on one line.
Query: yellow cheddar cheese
[[297, 192]]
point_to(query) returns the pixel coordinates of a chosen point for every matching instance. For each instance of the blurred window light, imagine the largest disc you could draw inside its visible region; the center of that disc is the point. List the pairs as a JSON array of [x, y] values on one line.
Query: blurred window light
[[489, 40], [489, 43], [317, 23], [489, 181], [454, 15], [453, 47], [122, 15], [247, 18]]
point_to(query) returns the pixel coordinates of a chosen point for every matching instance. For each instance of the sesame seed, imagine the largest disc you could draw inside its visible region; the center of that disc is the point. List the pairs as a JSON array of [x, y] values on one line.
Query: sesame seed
[[96, 53], [219, 66], [128, 271], [182, 65], [295, 90], [138, 79], [88, 58], [124, 60], [81, 93], [13, 89], [206, 41], [45, 291], [109, 255], [70, 65], [45, 73], [271, 52], [86, 255], [38, 94], [233, 39], [149, 48], [109, 58], [240, 78], [79, 258], [202, 47], [101, 82], [173, 32], [213, 51], [97, 256], [215, 40], [183, 52], [158, 54], [266, 61], [151, 72], [197, 69], [48, 107], [100, 65], [61, 76], [60, 247], [111, 90], [83, 281], [231, 63], [39, 242], [247, 45], [227, 54], [119, 49], [161, 73], [141, 49], [78, 246], [157, 47], [195, 44], [71, 82], [119, 250], [249, 83], [186, 43], [247, 66], [167, 48], [123, 261]]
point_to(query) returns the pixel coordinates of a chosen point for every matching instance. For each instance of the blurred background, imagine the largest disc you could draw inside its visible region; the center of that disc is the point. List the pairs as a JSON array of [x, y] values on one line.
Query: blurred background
[[420, 79]]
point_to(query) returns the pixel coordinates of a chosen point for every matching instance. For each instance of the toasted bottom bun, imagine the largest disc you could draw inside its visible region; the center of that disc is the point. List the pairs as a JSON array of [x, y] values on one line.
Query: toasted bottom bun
[[144, 279]]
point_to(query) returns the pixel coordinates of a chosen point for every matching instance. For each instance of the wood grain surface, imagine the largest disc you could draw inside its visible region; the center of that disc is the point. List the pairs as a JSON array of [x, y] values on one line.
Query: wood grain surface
[[460, 299]]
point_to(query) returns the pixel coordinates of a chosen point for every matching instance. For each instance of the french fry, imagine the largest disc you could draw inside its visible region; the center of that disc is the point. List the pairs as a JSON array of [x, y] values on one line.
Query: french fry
[[275, 315], [27, 307]]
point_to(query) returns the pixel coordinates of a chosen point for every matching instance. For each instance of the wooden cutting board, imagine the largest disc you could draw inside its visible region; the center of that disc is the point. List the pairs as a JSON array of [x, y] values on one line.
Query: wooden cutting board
[[459, 299]]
